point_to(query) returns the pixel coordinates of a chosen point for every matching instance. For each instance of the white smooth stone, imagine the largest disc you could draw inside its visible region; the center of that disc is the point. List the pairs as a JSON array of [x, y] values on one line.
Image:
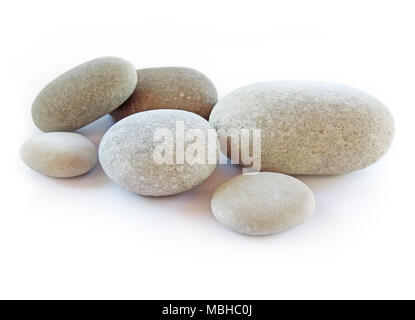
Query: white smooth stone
[[59, 154], [262, 204]]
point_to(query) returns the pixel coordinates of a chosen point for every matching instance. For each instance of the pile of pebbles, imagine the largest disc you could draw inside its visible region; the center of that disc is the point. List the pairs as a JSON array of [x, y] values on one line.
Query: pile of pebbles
[[306, 128]]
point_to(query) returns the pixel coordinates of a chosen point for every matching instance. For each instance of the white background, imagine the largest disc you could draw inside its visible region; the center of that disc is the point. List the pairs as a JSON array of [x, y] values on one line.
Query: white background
[[88, 238]]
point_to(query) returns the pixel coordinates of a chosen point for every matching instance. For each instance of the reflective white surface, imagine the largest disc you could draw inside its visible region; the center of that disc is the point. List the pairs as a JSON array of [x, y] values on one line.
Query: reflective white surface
[[88, 238]]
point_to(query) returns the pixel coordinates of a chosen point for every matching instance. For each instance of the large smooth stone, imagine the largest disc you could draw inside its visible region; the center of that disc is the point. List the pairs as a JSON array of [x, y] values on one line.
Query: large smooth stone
[[127, 153], [59, 154], [84, 94], [262, 203], [170, 88], [308, 127]]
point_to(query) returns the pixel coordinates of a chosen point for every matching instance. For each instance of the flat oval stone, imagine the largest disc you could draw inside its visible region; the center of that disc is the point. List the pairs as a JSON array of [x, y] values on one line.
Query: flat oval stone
[[170, 88], [308, 127], [263, 203], [59, 154], [84, 94], [129, 148]]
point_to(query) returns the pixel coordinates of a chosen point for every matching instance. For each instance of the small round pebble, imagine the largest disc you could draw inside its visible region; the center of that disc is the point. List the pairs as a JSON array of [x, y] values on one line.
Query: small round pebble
[[170, 88], [127, 153], [263, 203], [84, 94], [59, 154]]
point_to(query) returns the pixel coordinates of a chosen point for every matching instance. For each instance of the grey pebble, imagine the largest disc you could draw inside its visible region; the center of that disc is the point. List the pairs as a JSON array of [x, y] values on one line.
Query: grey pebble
[[170, 88], [308, 127], [84, 94], [59, 154], [127, 151], [263, 203]]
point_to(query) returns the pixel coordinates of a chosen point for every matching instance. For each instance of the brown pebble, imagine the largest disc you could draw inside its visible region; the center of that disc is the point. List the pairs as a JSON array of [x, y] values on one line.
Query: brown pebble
[[170, 88]]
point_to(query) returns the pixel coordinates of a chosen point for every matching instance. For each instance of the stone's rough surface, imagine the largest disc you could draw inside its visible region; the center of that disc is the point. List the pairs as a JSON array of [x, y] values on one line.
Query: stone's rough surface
[[84, 94], [127, 153], [262, 204], [170, 88], [59, 154], [308, 127]]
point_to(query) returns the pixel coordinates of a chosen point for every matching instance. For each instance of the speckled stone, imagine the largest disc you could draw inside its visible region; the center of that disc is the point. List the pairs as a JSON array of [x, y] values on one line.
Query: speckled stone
[[170, 88], [262, 204], [59, 154], [127, 150], [84, 94], [308, 127]]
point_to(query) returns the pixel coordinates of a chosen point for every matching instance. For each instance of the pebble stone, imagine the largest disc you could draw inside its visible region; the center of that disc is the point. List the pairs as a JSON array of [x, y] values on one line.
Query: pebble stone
[[127, 152], [170, 88], [262, 204], [59, 154], [308, 127], [84, 94]]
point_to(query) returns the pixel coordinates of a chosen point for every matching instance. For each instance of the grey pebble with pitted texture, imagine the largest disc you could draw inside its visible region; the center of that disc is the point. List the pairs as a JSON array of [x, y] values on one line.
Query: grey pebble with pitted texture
[[308, 127], [127, 151]]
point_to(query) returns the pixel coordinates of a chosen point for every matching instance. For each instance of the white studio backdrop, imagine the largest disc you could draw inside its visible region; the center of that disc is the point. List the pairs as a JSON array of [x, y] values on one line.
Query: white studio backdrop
[[88, 238]]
